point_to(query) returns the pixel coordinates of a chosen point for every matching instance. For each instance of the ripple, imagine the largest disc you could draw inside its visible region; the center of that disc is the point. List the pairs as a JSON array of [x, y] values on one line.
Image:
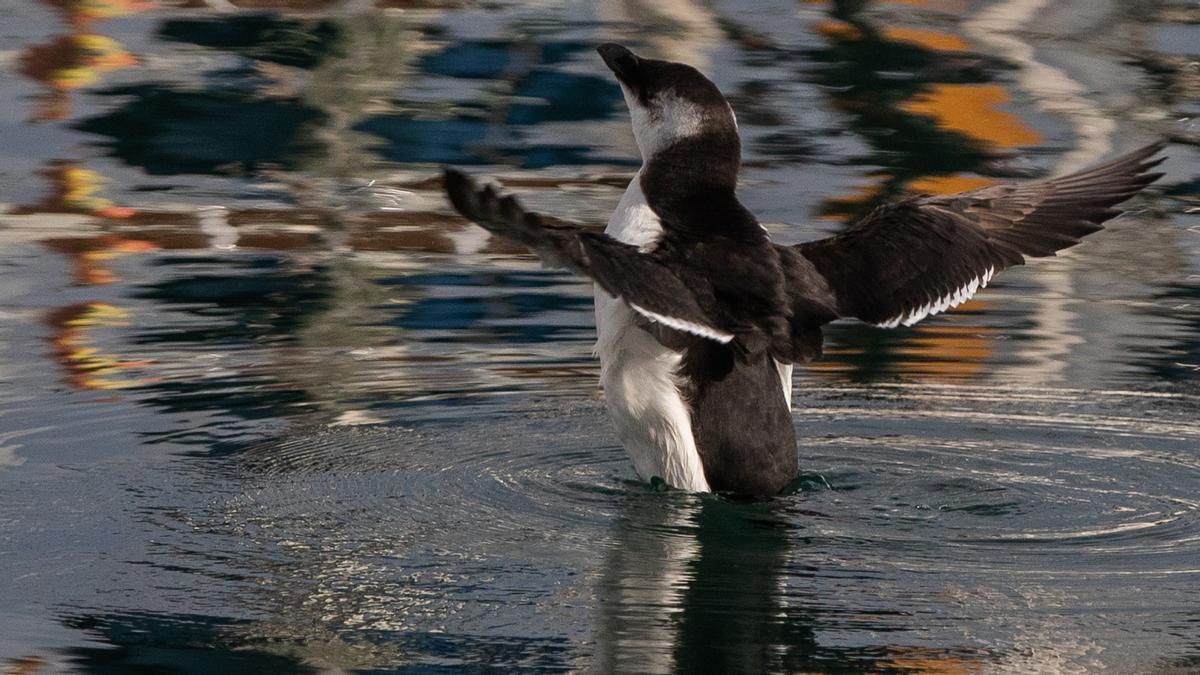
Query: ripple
[[518, 472], [920, 509], [940, 474], [950, 474]]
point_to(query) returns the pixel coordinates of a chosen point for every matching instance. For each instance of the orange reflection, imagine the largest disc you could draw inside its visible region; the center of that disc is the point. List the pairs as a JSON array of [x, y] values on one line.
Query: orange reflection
[[73, 191], [26, 665], [932, 40], [971, 110], [944, 5], [947, 185], [950, 352], [80, 58], [87, 367], [944, 350], [844, 209], [89, 255], [918, 660], [838, 30]]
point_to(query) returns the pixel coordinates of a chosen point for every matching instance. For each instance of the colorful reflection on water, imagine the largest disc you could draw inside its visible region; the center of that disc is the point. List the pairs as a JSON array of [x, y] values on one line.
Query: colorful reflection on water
[[267, 406]]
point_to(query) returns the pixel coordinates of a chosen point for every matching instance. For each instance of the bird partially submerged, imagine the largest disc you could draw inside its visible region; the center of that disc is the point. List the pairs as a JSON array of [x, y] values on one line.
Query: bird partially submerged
[[700, 316]]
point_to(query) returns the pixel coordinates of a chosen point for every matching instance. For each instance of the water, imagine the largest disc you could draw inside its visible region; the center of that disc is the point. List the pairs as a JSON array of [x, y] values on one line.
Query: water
[[266, 406]]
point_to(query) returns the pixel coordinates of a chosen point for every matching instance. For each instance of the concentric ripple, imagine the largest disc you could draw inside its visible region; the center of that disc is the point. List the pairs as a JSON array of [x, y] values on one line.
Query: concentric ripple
[[961, 476], [920, 508], [493, 474], [949, 476]]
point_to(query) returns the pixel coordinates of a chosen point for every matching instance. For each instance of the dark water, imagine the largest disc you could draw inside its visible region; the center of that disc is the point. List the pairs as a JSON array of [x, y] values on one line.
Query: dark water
[[266, 406]]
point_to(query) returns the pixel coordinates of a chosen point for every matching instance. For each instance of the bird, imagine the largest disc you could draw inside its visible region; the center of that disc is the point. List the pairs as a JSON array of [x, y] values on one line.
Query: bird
[[700, 317]]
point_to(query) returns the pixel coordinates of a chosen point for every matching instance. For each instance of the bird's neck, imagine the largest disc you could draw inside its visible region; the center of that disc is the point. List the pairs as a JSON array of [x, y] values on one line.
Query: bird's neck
[[710, 159], [697, 173]]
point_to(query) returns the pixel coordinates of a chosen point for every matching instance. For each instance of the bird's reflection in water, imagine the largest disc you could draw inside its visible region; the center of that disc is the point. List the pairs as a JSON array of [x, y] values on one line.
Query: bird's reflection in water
[[693, 584], [742, 551], [701, 584]]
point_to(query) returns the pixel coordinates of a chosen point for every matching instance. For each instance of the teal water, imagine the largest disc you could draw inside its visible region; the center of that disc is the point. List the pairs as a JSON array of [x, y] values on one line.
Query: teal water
[[267, 406]]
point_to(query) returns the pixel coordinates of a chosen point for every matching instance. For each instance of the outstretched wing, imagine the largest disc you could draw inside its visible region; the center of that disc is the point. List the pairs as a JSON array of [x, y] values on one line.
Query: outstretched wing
[[911, 259], [646, 284]]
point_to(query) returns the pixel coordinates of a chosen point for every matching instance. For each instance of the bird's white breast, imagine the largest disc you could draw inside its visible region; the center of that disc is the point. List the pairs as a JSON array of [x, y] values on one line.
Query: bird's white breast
[[633, 221], [639, 374]]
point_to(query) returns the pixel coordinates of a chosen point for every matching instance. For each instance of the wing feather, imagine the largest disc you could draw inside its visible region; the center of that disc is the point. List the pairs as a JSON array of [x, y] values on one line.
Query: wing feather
[[911, 259], [645, 283]]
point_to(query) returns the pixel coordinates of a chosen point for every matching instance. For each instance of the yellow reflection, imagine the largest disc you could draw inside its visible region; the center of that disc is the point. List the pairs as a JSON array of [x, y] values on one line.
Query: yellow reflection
[[79, 186], [87, 367], [73, 190]]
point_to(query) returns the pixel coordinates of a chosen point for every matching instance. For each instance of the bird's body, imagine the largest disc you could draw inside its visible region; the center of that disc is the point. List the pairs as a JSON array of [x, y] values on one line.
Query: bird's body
[[653, 398], [700, 317]]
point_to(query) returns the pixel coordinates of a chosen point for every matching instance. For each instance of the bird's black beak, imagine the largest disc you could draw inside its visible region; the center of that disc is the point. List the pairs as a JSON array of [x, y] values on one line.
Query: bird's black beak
[[620, 60]]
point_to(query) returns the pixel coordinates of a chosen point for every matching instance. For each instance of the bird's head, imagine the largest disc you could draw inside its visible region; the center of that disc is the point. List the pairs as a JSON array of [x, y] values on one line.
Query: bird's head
[[670, 103]]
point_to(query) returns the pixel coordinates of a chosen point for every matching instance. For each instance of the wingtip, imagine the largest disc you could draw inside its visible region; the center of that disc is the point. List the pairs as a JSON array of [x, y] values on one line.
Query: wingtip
[[1149, 155], [453, 179], [1149, 150], [460, 190], [1153, 177]]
